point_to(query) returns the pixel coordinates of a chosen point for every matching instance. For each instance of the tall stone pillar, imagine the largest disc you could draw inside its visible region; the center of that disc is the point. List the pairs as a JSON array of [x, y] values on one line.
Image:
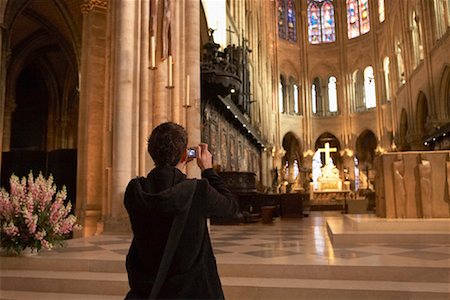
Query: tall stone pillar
[[125, 97], [90, 166], [192, 62], [2, 89], [6, 126]]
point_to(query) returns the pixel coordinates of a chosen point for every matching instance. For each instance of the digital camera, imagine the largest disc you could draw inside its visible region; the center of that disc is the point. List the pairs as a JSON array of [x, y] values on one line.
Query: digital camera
[[192, 153]]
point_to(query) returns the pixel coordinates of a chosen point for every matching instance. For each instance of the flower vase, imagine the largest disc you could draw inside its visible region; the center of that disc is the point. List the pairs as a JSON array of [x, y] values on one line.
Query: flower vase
[[28, 252]]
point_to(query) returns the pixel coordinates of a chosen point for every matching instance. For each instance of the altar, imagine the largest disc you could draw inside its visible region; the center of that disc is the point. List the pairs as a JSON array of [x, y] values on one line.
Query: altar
[[329, 190]]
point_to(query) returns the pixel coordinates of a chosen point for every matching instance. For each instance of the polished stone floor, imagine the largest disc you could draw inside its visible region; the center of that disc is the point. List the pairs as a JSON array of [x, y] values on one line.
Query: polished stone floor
[[290, 255], [286, 241]]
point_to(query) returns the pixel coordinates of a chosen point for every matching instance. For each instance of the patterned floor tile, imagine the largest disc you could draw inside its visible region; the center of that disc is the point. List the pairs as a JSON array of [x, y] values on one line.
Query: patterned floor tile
[[271, 253], [427, 255]]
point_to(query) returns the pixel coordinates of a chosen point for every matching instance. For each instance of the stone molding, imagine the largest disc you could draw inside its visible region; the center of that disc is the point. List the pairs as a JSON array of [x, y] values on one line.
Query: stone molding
[[90, 4]]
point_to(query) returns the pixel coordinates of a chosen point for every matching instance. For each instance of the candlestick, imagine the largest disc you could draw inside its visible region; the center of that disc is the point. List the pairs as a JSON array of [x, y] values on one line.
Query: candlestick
[[187, 91], [170, 72], [153, 53]]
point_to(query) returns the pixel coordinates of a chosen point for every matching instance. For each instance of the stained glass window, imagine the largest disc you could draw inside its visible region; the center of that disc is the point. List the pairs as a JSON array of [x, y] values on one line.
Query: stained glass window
[[321, 24], [291, 22], [287, 28], [357, 17], [364, 15], [314, 24], [281, 19], [352, 19], [328, 23]]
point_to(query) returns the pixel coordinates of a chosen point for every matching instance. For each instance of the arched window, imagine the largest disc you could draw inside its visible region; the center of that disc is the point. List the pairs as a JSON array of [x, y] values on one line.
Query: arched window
[[416, 32], [316, 99], [357, 17], [442, 16], [282, 94], [381, 15], [328, 32], [321, 24], [291, 21], [369, 88], [358, 88], [313, 99], [282, 19], [314, 23], [296, 103], [447, 11], [364, 16], [287, 28], [332, 95], [400, 65], [387, 82]]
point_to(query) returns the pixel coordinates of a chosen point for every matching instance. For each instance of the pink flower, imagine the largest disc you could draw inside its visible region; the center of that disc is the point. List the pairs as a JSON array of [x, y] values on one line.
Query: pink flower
[[31, 215]]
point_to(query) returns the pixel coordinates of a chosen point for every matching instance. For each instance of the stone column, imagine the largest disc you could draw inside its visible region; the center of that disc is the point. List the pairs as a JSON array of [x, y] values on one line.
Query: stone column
[[2, 89], [90, 166], [145, 114], [6, 126], [192, 62], [125, 93]]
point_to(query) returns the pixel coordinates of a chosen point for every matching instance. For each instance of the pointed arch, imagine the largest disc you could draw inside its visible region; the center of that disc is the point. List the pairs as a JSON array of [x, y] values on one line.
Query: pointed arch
[[417, 36], [358, 91], [321, 22], [317, 97], [332, 95], [422, 115], [293, 156], [328, 137], [444, 93], [366, 143], [402, 143], [370, 98]]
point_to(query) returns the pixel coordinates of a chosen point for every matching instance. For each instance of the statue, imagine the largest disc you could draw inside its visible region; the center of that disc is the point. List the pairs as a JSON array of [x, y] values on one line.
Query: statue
[[399, 184], [275, 177], [426, 188]]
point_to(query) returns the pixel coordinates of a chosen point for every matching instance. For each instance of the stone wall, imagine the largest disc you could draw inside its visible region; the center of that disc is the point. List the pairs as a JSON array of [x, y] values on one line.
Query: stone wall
[[413, 184]]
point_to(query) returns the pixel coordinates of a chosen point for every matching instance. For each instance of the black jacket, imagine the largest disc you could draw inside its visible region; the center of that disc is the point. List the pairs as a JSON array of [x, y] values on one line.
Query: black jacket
[[152, 203]]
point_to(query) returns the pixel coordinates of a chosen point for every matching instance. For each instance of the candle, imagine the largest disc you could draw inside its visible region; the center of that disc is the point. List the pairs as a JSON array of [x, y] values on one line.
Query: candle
[[187, 90], [169, 66], [153, 52]]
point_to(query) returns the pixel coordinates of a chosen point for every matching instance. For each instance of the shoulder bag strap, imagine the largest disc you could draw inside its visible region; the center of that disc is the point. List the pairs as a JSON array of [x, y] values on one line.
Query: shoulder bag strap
[[172, 244]]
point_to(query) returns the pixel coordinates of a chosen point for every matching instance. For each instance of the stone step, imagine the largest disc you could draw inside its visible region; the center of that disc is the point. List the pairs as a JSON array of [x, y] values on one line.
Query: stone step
[[115, 284], [344, 233], [328, 272], [19, 295]]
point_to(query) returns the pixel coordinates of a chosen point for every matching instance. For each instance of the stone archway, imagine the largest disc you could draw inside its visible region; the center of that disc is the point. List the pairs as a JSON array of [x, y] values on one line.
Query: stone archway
[[444, 93], [334, 143], [365, 154], [365, 148], [40, 110], [402, 143], [422, 117], [292, 158]]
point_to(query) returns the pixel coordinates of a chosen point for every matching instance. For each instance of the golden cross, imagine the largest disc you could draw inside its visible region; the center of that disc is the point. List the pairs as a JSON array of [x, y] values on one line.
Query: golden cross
[[327, 150]]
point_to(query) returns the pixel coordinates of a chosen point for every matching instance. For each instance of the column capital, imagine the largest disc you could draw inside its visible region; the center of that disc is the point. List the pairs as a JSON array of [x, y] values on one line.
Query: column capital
[[88, 5]]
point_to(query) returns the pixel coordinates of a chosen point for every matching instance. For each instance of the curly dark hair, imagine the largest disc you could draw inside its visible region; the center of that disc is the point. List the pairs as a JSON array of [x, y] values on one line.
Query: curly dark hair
[[167, 143]]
